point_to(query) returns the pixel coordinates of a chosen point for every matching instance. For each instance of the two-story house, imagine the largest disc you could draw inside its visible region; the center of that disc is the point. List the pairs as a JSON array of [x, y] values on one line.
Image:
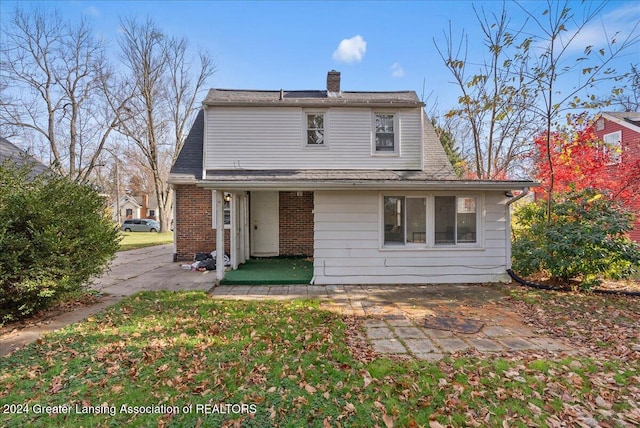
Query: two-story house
[[620, 131], [357, 180]]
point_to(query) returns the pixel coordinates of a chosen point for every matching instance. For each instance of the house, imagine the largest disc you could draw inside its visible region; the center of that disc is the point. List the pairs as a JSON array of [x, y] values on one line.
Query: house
[[8, 150], [621, 131], [357, 180], [134, 207]]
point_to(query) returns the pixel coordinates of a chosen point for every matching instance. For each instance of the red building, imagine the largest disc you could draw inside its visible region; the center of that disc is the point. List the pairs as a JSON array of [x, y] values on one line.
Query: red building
[[621, 130]]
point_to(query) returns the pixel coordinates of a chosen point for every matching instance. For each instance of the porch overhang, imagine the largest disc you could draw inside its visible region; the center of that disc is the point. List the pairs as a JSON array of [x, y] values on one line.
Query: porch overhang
[[294, 180]]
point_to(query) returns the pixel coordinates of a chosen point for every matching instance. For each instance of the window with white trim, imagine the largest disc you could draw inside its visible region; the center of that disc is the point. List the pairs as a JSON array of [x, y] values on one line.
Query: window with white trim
[[613, 146], [226, 201], [455, 220], [315, 129], [427, 220], [385, 140]]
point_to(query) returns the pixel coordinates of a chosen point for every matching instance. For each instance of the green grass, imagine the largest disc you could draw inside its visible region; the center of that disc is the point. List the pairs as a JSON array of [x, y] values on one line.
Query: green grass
[[133, 240], [283, 364]]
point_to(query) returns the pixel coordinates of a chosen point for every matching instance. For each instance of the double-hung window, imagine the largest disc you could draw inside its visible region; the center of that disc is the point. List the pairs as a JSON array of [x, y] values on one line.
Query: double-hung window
[[613, 146], [427, 220], [385, 133], [315, 129]]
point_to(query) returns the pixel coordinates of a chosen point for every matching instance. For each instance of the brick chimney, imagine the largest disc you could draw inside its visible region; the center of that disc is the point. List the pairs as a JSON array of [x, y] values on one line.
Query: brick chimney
[[333, 83]]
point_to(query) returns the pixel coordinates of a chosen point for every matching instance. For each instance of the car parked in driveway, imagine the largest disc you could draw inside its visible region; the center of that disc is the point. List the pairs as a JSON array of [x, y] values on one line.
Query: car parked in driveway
[[140, 225]]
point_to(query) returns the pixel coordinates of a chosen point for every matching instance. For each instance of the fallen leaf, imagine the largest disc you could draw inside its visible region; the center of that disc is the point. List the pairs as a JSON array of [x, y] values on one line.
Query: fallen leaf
[[388, 420]]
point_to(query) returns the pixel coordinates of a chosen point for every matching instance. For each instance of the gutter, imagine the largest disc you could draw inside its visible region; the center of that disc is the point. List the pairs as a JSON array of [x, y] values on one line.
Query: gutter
[[358, 184]]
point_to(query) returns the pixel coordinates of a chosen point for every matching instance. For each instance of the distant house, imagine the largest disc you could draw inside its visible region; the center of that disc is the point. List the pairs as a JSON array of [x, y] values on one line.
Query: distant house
[[135, 207], [8, 150], [621, 131], [357, 180]]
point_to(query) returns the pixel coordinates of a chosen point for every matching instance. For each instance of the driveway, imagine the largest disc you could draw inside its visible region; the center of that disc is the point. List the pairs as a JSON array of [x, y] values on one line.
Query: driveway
[[144, 269], [149, 269]]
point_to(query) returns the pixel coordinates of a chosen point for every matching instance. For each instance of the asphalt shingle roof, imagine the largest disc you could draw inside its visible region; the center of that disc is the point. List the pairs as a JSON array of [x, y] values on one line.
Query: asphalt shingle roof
[[188, 165], [8, 150], [217, 97]]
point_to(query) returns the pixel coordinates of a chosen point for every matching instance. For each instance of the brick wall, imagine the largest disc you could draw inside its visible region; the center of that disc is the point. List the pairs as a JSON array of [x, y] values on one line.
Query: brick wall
[[195, 234], [296, 223], [193, 222]]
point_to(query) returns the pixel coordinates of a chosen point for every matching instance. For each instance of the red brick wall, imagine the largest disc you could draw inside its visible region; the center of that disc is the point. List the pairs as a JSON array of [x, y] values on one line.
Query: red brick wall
[[296, 223], [630, 154], [193, 222]]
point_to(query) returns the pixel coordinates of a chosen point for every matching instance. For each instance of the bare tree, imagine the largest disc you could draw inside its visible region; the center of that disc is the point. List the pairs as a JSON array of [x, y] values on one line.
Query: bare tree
[[557, 30], [493, 98], [629, 100], [54, 75], [164, 96]]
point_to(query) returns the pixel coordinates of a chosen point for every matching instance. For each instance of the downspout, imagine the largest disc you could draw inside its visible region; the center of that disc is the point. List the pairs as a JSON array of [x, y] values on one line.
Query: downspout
[[507, 228]]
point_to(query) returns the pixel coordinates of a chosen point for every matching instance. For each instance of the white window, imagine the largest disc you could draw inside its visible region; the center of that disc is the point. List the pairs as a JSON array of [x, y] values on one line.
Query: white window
[[600, 124], [613, 146], [226, 201], [316, 134], [424, 220], [385, 138], [455, 220]]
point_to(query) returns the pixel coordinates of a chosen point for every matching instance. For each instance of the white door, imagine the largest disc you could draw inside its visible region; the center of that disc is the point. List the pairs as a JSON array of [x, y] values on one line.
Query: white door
[[265, 232]]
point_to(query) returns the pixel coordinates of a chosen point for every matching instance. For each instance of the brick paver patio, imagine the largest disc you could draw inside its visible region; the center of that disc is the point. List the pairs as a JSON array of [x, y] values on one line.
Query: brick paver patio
[[395, 316]]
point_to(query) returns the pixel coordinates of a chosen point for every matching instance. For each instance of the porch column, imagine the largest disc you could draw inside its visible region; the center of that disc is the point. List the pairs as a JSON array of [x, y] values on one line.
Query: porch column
[[219, 234], [243, 228], [233, 233]]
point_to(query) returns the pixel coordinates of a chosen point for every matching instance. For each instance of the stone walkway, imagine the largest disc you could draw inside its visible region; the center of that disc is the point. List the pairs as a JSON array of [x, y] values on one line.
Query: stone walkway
[[396, 315]]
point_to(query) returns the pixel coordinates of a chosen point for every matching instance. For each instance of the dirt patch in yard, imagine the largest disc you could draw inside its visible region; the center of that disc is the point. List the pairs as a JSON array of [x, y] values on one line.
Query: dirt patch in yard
[[45, 315]]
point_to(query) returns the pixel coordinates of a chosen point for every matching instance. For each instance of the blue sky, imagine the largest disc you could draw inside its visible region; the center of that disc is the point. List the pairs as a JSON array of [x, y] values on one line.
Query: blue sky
[[292, 45]]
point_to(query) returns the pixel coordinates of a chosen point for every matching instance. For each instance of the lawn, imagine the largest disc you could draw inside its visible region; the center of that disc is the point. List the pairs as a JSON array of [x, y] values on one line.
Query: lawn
[[186, 359], [133, 240]]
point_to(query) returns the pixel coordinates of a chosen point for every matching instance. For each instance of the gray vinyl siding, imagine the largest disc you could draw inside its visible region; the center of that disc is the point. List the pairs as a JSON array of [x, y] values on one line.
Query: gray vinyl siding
[[274, 138], [348, 248]]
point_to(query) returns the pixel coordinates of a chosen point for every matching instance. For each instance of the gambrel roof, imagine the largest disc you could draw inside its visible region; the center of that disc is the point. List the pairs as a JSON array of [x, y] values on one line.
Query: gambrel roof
[[188, 165]]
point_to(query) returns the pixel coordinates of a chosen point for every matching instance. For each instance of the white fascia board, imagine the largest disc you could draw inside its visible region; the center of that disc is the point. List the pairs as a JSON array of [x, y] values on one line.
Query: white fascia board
[[370, 185]]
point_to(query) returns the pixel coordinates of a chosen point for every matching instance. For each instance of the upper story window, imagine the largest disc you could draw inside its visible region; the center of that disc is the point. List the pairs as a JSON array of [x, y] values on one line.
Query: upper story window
[[600, 124], [613, 145], [315, 129], [385, 135]]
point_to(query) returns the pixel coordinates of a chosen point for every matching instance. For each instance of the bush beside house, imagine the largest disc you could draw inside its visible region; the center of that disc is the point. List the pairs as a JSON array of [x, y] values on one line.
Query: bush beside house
[[586, 239], [54, 236]]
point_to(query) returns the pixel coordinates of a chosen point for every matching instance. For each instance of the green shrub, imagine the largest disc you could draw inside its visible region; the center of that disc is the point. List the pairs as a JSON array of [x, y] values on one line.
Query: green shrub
[[585, 239], [54, 236]]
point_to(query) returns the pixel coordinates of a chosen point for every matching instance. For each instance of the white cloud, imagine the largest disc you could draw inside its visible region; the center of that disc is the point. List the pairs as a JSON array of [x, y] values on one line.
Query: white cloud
[[397, 70], [93, 11], [350, 50], [618, 23]]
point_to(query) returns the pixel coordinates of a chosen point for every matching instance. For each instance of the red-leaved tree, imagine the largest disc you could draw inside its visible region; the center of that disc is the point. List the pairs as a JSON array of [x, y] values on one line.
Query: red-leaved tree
[[581, 161]]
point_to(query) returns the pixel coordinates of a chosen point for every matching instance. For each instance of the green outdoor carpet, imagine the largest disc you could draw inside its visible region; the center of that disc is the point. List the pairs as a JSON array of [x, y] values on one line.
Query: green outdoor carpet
[[270, 271]]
